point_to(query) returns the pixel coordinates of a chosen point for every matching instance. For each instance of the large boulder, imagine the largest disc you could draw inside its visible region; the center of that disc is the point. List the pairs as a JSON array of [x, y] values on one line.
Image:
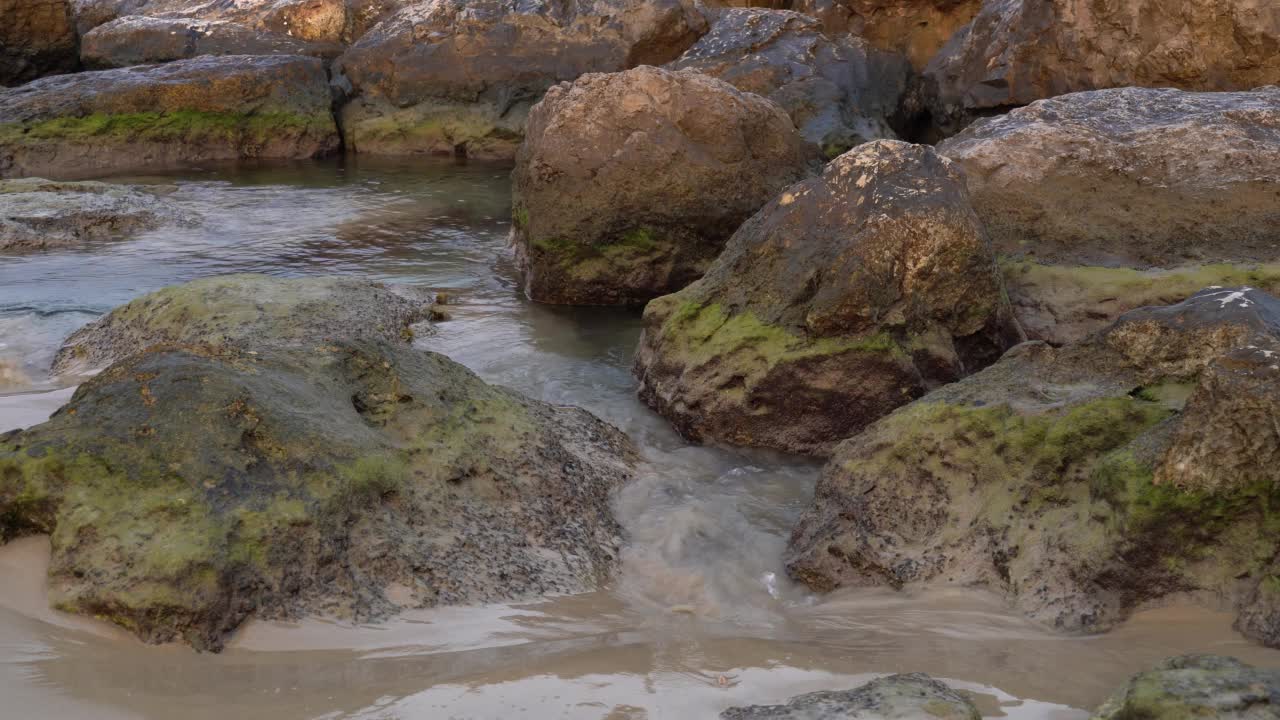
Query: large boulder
[[36, 38], [459, 76], [141, 40], [327, 22], [263, 465], [847, 296], [918, 29], [629, 184], [208, 108], [896, 697], [1109, 200], [1207, 687], [1018, 51], [1076, 481], [37, 214], [838, 92]]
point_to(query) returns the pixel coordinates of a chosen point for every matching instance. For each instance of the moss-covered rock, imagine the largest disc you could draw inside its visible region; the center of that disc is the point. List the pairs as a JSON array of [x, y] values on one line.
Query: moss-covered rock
[[1197, 687], [849, 295], [36, 214], [253, 467], [207, 108], [629, 184], [1081, 481], [896, 697]]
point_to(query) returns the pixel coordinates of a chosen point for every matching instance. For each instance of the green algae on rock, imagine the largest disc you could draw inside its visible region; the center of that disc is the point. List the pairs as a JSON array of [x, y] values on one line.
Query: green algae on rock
[[849, 295], [896, 697], [252, 467], [207, 108], [1206, 687], [1075, 480], [598, 224]]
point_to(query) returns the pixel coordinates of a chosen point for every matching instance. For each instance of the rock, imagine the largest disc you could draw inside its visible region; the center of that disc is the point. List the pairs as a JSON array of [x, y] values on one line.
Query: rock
[[36, 39], [1197, 686], [1131, 176], [325, 22], [838, 93], [269, 462], [139, 40], [208, 108], [917, 29], [36, 214], [1072, 480], [847, 296], [629, 184], [1018, 51], [896, 697], [459, 76]]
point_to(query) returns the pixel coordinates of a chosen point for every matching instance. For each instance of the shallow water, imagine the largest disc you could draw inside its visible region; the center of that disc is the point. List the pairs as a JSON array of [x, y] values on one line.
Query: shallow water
[[701, 616]]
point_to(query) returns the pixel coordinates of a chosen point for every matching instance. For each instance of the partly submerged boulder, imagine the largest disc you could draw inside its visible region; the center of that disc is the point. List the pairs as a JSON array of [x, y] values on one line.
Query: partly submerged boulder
[[847, 296], [838, 92], [36, 38], [1197, 686], [1018, 51], [267, 462], [36, 214], [207, 108], [1074, 480], [896, 697], [629, 183], [140, 40]]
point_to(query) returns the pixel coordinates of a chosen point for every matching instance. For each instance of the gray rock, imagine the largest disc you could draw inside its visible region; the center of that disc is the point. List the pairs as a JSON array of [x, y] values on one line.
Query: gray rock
[[140, 40], [37, 214], [1197, 686], [897, 697]]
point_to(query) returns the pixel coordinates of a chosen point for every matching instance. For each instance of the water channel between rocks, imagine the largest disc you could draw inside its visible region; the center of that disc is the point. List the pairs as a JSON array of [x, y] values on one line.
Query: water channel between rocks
[[701, 616]]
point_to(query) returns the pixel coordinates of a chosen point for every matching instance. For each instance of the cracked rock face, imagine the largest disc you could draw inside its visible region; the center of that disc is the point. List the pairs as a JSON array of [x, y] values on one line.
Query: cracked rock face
[[264, 447], [629, 184], [849, 295], [1078, 481]]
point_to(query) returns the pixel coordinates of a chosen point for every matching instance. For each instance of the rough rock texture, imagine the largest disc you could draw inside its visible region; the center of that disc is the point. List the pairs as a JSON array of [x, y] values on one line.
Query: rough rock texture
[[1130, 177], [837, 92], [36, 39], [1074, 480], [847, 296], [897, 697], [36, 214], [328, 22], [1197, 686], [140, 40], [259, 465], [459, 76], [630, 183], [208, 108], [919, 29], [1019, 51]]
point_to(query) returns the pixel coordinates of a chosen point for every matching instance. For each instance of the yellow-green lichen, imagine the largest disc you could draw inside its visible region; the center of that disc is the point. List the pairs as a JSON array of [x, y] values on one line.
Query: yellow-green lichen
[[178, 125]]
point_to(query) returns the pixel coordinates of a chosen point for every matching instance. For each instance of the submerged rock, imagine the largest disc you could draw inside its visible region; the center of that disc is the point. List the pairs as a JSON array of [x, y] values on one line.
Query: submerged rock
[[139, 40], [459, 76], [629, 184], [36, 214], [849, 295], [37, 38], [1132, 176], [837, 92], [1018, 51], [1197, 686], [208, 108], [896, 697], [264, 461], [1074, 480]]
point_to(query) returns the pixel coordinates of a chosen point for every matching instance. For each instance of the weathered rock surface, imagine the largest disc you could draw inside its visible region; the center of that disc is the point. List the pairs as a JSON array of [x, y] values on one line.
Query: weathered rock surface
[[917, 29], [1132, 176], [1075, 480], [269, 461], [896, 697], [1197, 686], [838, 92], [141, 40], [36, 39], [629, 183], [208, 108], [329, 22], [459, 76], [1018, 51], [847, 296], [36, 214]]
